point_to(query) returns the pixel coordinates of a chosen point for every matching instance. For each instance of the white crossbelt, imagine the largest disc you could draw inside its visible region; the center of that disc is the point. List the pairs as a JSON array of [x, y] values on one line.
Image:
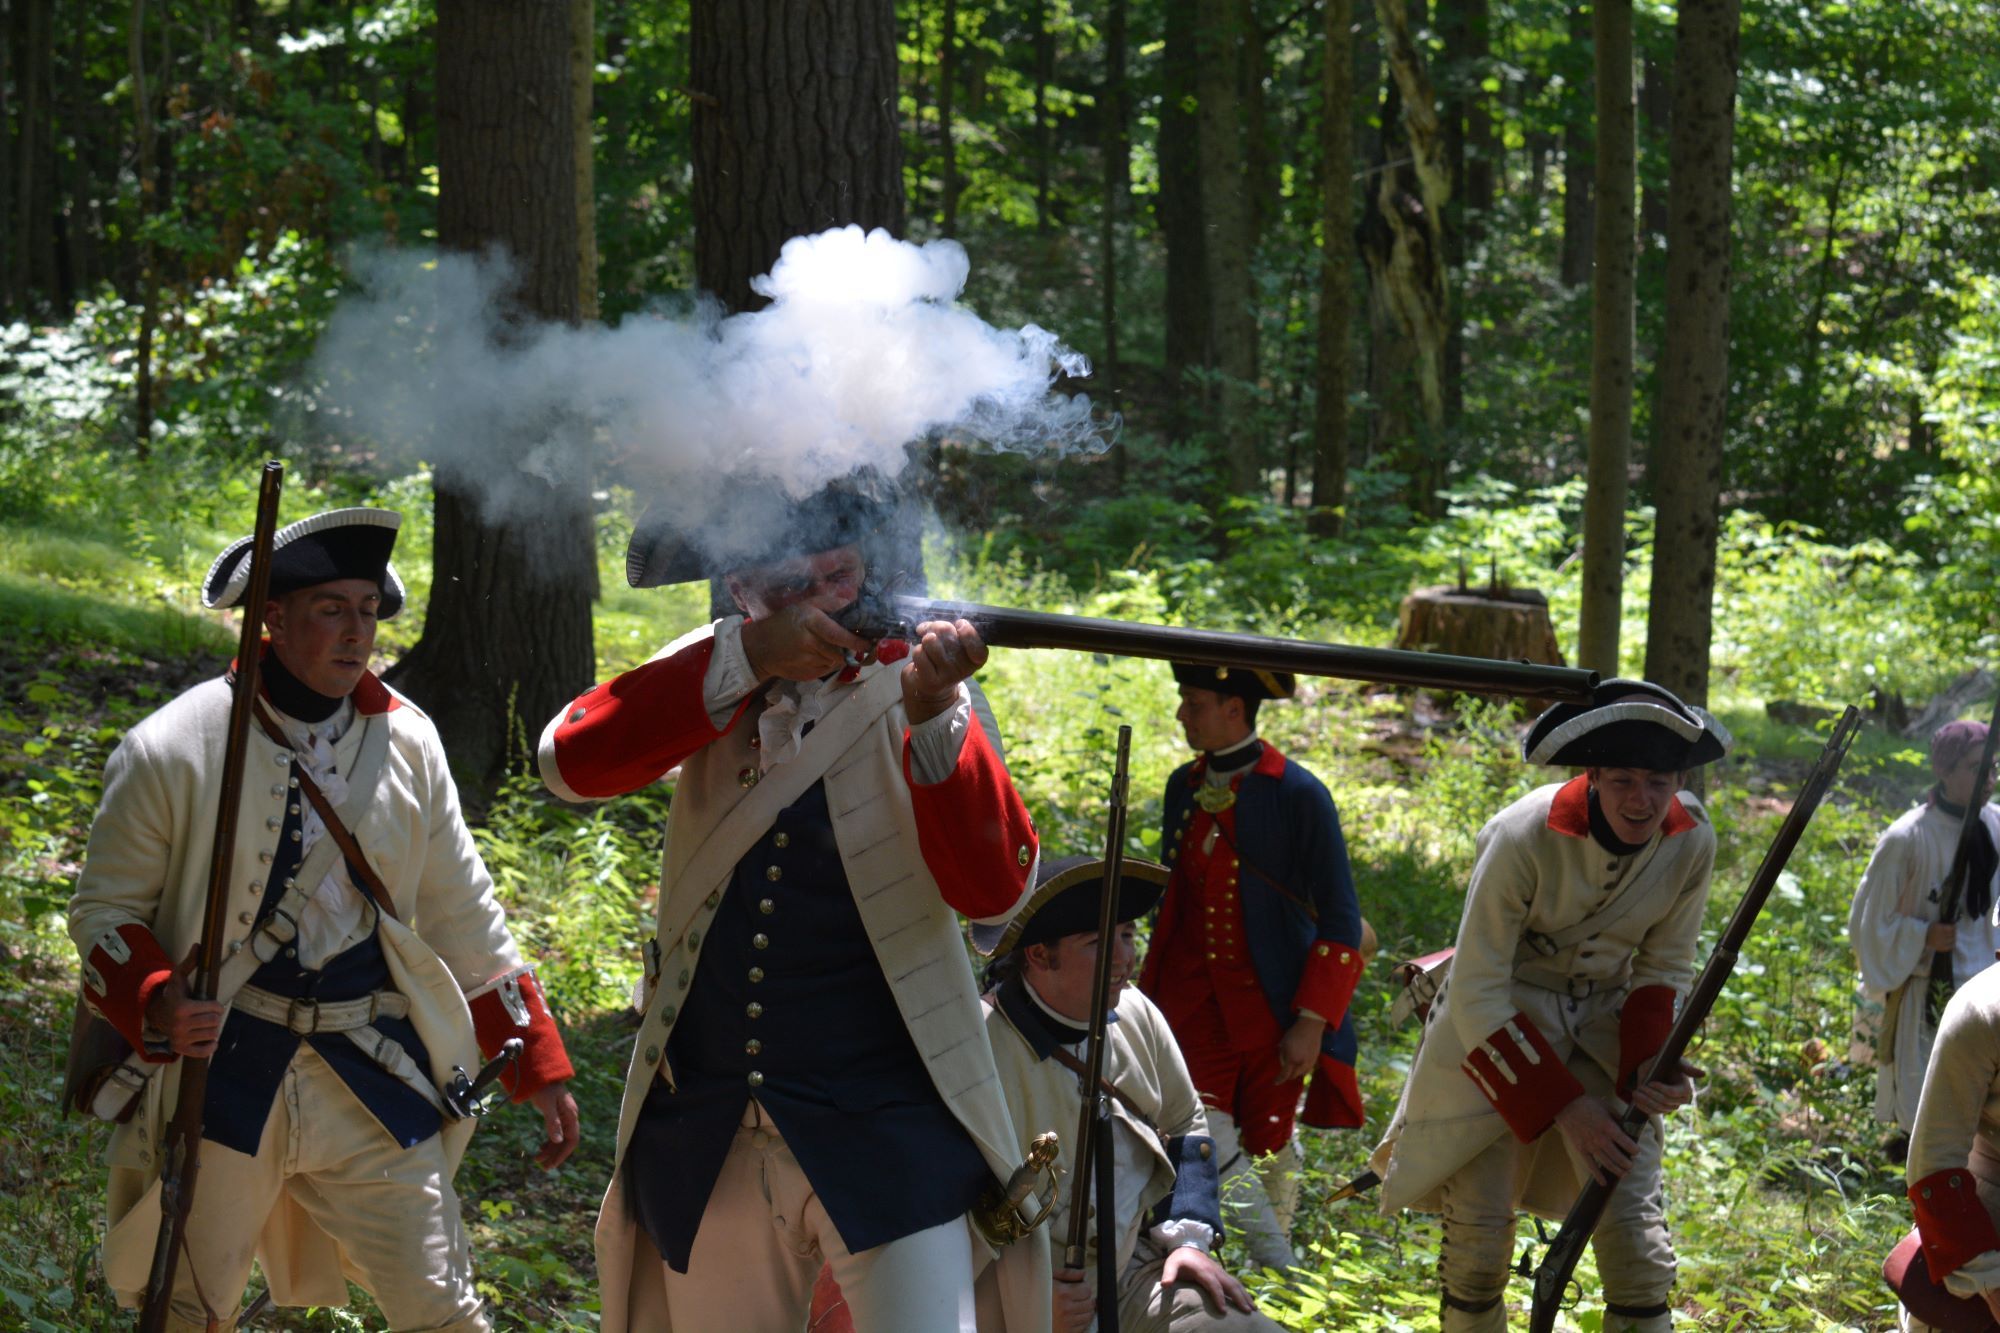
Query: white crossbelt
[[353, 1019]]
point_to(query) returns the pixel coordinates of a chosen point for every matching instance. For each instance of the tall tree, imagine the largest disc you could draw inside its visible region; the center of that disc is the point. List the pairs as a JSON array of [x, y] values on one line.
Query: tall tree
[[1117, 186], [1045, 62], [1228, 222], [1336, 267], [1578, 210], [149, 259], [947, 129], [583, 121], [507, 635], [1694, 356], [1611, 300], [1189, 340]]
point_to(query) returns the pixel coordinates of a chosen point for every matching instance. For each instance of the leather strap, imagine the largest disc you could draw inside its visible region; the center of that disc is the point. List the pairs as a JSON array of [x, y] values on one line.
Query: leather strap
[[1111, 1090], [357, 861]]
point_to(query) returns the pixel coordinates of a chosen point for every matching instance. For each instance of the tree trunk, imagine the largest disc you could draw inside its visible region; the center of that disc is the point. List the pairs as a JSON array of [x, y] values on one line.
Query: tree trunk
[[33, 162], [1189, 338], [1611, 342], [1694, 357], [1117, 185], [1044, 149], [507, 635], [1402, 241], [149, 272], [1336, 268], [1454, 21], [1260, 158], [1576, 149], [795, 130], [1482, 145], [1655, 113], [583, 79], [1226, 220], [947, 139]]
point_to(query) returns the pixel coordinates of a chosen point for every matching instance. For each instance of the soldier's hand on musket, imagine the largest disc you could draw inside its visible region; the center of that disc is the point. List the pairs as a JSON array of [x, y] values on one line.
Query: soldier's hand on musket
[[1663, 1096], [559, 1125], [1298, 1049], [799, 642], [1190, 1263], [1075, 1306], [946, 653], [1593, 1135], [1942, 937], [192, 1027]]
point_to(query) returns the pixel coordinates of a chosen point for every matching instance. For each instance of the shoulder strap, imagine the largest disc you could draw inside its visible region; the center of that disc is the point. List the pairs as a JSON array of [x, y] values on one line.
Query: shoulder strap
[[1111, 1090], [1537, 945], [371, 882]]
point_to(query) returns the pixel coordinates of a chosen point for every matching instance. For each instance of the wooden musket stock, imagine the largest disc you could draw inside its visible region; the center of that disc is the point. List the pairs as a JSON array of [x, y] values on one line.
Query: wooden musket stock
[[1552, 1278], [180, 1153]]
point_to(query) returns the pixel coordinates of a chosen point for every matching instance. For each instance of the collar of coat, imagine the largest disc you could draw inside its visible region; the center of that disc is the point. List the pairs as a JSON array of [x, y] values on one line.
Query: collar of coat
[[1569, 813], [371, 697], [1270, 764], [1042, 1033]]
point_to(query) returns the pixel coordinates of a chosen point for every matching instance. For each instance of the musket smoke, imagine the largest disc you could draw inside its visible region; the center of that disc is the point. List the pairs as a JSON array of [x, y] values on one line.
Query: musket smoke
[[861, 352]]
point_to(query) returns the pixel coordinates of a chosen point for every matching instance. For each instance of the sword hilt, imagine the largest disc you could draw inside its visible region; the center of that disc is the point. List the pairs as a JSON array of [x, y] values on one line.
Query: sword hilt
[[463, 1094]]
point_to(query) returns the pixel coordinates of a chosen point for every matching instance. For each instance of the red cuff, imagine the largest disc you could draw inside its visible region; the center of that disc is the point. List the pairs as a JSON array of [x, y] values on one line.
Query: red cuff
[[1954, 1224], [1333, 1098], [1522, 1076], [1332, 971], [623, 734], [129, 985], [973, 830], [1643, 1025], [543, 1060]]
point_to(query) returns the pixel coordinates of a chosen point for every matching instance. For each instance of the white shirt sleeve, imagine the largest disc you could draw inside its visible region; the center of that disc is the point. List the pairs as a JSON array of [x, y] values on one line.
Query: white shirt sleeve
[[935, 745], [1178, 1232], [729, 676]]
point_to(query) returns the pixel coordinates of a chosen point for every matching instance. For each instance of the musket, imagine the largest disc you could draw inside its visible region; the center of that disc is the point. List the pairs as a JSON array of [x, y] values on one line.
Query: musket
[[180, 1149], [1093, 1156], [1552, 1278], [892, 615], [1361, 1184], [1959, 877]]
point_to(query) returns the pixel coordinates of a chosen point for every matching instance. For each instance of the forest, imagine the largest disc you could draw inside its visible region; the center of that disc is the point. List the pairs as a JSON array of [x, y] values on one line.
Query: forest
[[1667, 335]]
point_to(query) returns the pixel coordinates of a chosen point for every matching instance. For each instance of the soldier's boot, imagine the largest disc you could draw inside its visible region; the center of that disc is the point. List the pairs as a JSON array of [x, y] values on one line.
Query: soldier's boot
[[1485, 1315], [1249, 1207], [1637, 1318], [1280, 1174]]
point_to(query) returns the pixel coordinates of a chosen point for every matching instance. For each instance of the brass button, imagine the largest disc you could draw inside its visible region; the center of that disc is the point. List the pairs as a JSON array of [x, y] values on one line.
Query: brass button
[[1207, 1150], [1023, 855], [756, 974], [274, 823], [760, 941], [245, 917], [257, 885], [282, 758], [767, 906], [747, 777], [683, 979], [773, 874], [753, 1010], [576, 715], [713, 900], [264, 858], [753, 1047], [1344, 955], [782, 841], [756, 1078], [296, 835], [278, 790], [1211, 953], [652, 1055], [694, 940], [290, 882], [293, 808], [667, 1014]]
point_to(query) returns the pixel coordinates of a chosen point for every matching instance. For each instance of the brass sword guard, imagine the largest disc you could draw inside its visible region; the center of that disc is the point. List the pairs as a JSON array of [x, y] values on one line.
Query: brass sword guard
[[998, 1212]]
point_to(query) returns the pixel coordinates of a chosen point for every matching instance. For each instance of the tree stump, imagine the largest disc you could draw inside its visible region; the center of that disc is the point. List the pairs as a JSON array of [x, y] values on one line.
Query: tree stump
[[1508, 624]]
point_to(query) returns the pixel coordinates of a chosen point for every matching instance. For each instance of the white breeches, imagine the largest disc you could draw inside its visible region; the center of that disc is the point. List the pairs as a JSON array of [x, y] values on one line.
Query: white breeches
[[1248, 1198]]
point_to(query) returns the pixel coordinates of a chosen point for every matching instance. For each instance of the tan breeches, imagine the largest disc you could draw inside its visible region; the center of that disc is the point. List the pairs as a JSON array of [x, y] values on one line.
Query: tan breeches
[[392, 1209], [1144, 1306], [1635, 1259], [764, 1236]]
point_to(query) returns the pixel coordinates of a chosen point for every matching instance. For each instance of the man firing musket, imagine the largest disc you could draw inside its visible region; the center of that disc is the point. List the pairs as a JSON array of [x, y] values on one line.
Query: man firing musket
[[1579, 933]]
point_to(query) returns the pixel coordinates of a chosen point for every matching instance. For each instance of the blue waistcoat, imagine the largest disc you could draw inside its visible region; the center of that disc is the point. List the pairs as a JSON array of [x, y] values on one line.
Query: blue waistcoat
[[251, 1059], [789, 1004]]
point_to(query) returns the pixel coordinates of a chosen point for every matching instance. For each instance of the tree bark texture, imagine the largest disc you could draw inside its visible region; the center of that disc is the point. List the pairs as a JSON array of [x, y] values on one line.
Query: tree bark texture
[[1402, 241], [1045, 61], [1611, 303], [795, 130], [1694, 358], [1576, 150], [583, 79], [1482, 145], [1189, 338], [1117, 186], [1336, 269], [1655, 114], [507, 635], [149, 259], [947, 137], [1227, 222]]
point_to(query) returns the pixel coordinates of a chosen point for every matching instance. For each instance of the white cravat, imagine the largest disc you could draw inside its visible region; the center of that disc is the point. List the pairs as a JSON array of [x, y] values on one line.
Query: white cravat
[[333, 916]]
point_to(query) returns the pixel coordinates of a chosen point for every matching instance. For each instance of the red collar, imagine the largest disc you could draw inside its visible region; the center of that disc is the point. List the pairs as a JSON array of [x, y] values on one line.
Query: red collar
[[1569, 813], [1270, 764], [371, 697]]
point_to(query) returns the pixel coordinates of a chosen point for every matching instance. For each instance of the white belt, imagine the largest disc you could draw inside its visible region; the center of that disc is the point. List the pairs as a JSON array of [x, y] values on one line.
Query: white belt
[[304, 1017]]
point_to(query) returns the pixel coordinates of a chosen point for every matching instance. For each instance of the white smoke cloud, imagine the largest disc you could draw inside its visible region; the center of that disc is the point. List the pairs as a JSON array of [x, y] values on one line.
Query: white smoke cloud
[[861, 352]]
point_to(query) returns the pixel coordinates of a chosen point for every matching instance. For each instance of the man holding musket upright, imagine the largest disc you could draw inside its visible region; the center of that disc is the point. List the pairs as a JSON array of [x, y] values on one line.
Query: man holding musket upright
[[328, 1148], [1258, 947], [811, 1080], [1164, 1168], [1577, 941]]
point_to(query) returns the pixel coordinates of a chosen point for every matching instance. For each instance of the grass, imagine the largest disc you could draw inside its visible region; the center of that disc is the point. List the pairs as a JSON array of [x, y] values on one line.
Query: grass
[[1779, 1210]]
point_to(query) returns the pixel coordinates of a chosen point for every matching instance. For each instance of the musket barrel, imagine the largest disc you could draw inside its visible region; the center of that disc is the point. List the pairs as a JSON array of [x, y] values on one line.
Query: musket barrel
[[1004, 627]]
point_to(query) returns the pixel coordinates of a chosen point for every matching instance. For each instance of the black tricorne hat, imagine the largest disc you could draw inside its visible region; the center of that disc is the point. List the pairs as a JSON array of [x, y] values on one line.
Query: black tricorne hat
[[1627, 724], [337, 544], [758, 526], [1242, 682], [1065, 902]]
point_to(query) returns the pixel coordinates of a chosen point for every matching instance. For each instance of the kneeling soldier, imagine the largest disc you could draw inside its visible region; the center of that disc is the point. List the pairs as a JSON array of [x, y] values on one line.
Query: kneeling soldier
[[1578, 937], [1168, 1214], [328, 1150]]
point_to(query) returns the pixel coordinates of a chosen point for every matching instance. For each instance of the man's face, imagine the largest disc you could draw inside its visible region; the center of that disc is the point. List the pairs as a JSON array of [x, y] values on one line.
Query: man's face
[[1212, 721], [1062, 972], [1957, 780], [829, 581], [325, 634], [1635, 801]]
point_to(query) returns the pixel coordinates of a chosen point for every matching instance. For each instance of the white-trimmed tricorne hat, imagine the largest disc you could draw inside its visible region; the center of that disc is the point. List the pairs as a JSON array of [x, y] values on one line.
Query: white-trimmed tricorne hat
[[338, 544], [1627, 724]]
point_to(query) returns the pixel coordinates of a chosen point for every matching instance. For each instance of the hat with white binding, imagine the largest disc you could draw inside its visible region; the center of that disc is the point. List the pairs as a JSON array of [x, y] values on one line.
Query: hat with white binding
[[1627, 724], [337, 544]]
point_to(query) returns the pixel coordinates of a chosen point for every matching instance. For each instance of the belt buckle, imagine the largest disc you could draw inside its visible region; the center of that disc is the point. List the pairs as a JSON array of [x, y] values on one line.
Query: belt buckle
[[310, 1008]]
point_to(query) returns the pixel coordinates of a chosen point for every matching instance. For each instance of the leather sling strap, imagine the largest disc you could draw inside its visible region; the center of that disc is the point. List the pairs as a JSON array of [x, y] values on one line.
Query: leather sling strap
[[357, 861], [1111, 1090]]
